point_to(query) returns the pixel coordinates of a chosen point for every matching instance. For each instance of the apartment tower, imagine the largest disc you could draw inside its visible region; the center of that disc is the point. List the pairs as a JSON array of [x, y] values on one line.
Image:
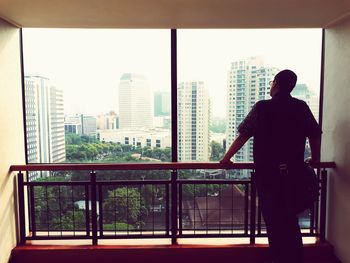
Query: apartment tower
[[44, 121], [248, 82], [193, 122]]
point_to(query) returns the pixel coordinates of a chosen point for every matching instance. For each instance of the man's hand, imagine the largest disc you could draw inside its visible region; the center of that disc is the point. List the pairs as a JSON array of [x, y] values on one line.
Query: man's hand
[[235, 146], [310, 161], [225, 161]]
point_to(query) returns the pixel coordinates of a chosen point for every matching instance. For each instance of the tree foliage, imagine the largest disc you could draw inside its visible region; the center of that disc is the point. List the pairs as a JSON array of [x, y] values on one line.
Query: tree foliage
[[88, 149], [125, 205], [217, 151], [124, 208], [55, 207]]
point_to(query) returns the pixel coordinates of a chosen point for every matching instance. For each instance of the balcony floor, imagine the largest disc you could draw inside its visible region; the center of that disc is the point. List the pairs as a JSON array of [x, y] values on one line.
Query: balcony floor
[[199, 253]]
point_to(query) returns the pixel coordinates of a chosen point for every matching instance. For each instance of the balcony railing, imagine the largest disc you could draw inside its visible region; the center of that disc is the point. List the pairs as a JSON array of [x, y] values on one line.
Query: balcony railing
[[94, 204]]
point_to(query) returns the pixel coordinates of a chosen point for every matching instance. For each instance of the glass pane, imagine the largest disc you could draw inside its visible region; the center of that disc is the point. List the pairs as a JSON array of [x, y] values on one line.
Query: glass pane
[[222, 73], [97, 95]]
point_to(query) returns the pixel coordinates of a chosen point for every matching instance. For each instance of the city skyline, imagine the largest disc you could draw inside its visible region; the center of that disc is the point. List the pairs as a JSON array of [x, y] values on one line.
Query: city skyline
[[248, 82], [88, 64]]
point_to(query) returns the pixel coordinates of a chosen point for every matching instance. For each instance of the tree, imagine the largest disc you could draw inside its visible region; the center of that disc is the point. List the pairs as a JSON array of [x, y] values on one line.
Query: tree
[[72, 138], [55, 207], [124, 205], [217, 151]]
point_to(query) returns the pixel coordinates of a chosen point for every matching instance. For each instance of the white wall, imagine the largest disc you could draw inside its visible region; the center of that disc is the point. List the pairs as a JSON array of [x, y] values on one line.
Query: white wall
[[336, 136], [11, 133]]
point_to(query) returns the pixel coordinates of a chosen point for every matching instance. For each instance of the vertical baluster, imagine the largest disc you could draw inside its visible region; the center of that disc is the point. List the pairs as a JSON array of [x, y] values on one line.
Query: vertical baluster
[[32, 209], [167, 212], [323, 205], [87, 210], [246, 208], [100, 208], [180, 208], [21, 209], [93, 207], [174, 207], [252, 208]]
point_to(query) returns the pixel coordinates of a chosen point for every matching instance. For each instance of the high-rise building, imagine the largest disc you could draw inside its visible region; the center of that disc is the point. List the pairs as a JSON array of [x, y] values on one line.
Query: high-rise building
[[161, 103], [44, 121], [193, 122], [88, 125], [302, 92], [81, 124], [248, 82], [109, 121], [135, 102], [72, 125]]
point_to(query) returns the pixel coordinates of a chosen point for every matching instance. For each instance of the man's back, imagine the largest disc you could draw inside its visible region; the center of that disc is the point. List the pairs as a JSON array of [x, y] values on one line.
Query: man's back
[[282, 128]]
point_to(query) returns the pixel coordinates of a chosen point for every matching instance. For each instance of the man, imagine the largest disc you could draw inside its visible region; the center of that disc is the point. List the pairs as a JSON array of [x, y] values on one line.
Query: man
[[280, 127]]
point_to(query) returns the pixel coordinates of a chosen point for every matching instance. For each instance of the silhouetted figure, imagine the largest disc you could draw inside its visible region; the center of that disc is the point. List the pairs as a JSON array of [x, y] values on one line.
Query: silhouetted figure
[[280, 127]]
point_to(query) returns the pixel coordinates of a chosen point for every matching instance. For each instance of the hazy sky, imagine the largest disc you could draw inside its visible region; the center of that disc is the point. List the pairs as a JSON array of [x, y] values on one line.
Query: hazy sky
[[87, 64]]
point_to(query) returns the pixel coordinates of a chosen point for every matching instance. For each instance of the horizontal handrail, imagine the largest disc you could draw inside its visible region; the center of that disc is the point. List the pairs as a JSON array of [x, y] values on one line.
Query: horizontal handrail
[[143, 166]]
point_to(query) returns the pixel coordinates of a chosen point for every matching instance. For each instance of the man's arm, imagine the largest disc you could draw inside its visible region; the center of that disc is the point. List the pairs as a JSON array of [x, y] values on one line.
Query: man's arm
[[235, 147], [313, 132], [315, 146], [246, 130]]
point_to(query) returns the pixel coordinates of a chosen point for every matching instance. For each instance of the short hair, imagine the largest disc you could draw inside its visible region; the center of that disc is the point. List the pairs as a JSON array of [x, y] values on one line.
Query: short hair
[[286, 80]]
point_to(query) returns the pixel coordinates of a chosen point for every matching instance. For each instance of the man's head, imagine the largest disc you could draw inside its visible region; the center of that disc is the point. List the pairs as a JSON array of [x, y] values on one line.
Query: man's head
[[283, 83]]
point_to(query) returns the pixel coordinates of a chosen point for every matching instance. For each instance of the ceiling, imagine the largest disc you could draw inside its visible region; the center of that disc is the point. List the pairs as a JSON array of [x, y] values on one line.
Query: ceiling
[[173, 13]]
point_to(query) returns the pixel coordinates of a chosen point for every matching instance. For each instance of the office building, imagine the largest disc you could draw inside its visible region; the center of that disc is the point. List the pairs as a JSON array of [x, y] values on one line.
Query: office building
[[153, 138], [162, 103], [81, 124], [135, 102], [109, 121]]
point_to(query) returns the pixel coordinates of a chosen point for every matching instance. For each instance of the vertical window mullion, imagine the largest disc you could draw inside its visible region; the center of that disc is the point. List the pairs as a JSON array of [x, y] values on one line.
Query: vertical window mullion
[[174, 126]]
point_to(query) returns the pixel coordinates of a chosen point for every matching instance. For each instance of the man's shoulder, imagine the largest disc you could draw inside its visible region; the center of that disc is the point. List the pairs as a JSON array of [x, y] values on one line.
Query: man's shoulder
[[293, 103], [299, 102], [261, 103]]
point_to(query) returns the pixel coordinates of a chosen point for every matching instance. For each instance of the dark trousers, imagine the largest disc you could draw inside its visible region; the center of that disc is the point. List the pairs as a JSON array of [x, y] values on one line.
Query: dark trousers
[[283, 229]]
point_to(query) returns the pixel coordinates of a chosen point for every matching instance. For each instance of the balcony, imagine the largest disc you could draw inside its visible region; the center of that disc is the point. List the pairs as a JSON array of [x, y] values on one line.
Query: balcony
[[170, 215], [331, 15]]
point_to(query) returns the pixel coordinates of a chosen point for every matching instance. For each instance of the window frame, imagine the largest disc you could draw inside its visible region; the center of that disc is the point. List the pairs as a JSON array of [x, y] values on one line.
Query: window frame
[[173, 91]]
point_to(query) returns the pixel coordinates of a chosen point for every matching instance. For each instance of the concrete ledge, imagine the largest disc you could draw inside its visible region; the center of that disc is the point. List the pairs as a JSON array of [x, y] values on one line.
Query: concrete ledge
[[159, 254]]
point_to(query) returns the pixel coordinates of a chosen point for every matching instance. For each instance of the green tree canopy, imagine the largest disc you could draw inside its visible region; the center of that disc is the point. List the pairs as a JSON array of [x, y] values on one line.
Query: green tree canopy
[[124, 205]]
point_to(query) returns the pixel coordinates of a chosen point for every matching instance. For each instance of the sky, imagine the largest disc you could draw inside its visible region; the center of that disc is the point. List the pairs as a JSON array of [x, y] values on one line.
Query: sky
[[87, 64]]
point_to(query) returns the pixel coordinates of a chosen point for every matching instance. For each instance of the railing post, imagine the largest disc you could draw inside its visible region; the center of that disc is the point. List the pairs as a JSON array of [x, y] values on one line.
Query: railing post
[[87, 210], [32, 211], [93, 207], [21, 209], [167, 210], [323, 205], [174, 207], [180, 208], [252, 208]]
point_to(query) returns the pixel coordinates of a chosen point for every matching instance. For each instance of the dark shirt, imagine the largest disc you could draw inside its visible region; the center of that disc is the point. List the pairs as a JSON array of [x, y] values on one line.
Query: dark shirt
[[280, 127]]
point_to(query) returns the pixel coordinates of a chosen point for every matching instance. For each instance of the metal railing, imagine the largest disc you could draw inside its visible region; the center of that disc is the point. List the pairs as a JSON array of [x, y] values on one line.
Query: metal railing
[[95, 207]]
